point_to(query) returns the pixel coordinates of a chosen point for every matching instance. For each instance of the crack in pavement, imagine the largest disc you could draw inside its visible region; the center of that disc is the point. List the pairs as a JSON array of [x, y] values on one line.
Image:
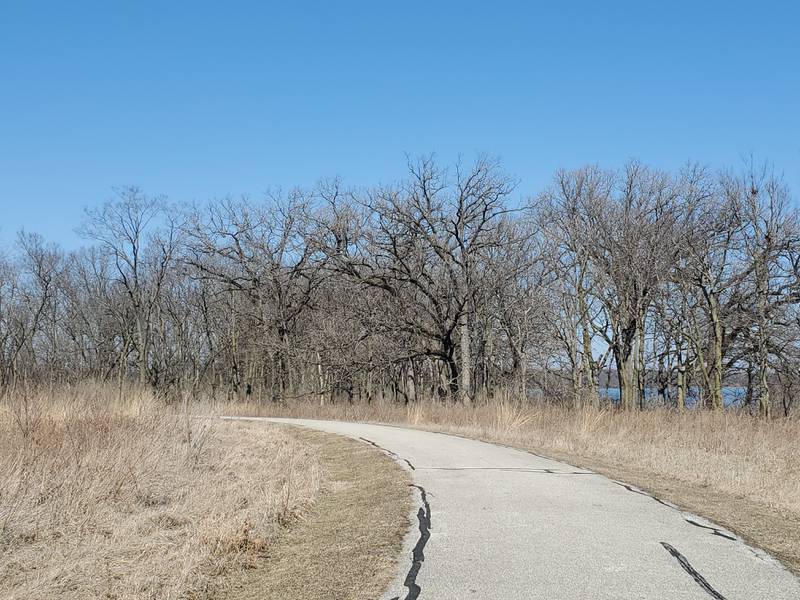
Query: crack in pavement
[[635, 491], [492, 443], [418, 553], [686, 566], [390, 453], [714, 530], [511, 469]]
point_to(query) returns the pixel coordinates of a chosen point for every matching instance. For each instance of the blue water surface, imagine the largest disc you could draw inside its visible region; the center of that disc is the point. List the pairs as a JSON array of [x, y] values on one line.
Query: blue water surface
[[731, 396]]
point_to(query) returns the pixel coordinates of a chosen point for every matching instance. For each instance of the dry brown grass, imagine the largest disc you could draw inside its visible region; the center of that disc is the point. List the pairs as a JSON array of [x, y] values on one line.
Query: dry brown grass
[[347, 545], [133, 499], [741, 472], [102, 500]]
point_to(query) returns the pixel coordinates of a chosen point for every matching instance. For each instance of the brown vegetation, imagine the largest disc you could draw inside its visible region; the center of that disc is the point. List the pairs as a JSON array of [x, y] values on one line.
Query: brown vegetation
[[348, 544], [101, 499]]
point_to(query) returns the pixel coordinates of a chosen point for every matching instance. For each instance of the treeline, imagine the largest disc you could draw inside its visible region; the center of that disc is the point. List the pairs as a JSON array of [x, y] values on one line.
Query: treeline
[[440, 286]]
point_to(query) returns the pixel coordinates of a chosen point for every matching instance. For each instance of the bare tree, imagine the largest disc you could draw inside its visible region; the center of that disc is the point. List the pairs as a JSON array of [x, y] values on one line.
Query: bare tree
[[426, 245], [438, 286], [140, 235]]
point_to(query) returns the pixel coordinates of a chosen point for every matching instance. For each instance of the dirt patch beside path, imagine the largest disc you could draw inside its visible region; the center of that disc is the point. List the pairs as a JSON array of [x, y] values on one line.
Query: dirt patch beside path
[[347, 545]]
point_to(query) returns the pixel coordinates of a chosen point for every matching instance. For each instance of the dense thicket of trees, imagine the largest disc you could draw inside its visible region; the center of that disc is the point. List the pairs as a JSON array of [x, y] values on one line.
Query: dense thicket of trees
[[670, 286]]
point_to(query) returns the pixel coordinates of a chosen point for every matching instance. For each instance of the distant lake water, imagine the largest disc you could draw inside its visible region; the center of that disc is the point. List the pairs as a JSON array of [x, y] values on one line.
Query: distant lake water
[[731, 396]]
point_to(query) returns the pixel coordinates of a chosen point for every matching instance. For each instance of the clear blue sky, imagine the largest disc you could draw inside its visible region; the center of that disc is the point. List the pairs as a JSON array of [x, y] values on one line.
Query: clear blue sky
[[197, 100]]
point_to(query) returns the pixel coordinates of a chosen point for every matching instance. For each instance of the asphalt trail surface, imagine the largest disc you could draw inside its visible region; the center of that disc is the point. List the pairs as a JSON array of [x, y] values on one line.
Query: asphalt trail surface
[[491, 522]]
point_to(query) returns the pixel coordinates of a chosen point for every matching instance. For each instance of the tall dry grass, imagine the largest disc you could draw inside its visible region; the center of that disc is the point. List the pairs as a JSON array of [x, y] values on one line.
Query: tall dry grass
[[727, 452], [108, 499]]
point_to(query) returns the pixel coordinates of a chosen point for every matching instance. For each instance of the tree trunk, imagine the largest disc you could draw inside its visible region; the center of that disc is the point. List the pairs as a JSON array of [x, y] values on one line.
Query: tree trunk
[[626, 374], [590, 368], [640, 367], [452, 377], [626, 360], [466, 362], [764, 404], [716, 387], [320, 381], [142, 346], [681, 378]]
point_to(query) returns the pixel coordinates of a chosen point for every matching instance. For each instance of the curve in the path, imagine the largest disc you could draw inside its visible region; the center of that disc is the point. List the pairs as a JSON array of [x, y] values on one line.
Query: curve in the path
[[495, 522]]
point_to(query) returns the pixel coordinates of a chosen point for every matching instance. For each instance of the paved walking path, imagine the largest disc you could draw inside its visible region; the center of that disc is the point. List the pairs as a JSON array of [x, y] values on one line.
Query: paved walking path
[[496, 523]]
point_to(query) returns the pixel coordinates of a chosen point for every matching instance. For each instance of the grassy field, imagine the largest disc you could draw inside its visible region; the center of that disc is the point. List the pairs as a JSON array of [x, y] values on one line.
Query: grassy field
[[347, 546], [132, 499], [741, 472], [102, 499]]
